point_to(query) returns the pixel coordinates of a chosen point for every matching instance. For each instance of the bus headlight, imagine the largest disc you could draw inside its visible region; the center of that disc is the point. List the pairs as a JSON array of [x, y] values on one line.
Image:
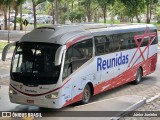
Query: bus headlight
[[12, 91], [52, 96]]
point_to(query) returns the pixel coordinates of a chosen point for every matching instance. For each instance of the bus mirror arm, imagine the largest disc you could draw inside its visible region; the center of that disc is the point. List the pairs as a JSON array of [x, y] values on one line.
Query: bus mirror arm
[[6, 48], [59, 54]]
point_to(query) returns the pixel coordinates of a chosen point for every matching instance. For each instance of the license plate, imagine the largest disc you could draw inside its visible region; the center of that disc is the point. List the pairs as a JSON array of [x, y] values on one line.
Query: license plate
[[30, 101]]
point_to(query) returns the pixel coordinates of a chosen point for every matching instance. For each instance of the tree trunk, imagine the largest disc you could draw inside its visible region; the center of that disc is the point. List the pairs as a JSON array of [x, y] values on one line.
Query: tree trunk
[[52, 14], [55, 12], [72, 5], [104, 15], [147, 17], [95, 16], [21, 26], [138, 20], [132, 19], [15, 19], [5, 19], [89, 18], [34, 14], [150, 13]]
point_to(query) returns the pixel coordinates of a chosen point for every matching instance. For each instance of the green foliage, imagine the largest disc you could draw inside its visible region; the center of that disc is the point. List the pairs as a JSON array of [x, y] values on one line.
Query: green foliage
[[76, 16], [37, 2], [135, 7], [90, 7], [20, 20], [79, 10], [25, 11]]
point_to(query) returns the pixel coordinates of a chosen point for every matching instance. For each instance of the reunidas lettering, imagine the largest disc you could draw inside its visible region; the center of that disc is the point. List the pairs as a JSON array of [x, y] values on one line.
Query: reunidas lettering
[[112, 62]]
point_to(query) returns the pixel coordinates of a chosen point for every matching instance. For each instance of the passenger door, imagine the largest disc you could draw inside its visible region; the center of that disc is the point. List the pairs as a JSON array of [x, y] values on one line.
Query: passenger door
[[77, 55]]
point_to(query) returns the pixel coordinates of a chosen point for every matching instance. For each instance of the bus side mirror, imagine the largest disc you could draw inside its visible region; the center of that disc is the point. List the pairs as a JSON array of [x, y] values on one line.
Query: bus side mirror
[[58, 56], [5, 50]]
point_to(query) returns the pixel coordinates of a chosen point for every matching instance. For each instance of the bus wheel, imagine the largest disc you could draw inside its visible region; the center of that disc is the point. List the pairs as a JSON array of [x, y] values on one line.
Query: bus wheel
[[86, 94], [138, 76]]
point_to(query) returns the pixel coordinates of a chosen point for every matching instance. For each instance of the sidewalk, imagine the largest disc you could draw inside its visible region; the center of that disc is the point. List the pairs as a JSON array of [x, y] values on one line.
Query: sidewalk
[[5, 67], [9, 55], [152, 106], [4, 72]]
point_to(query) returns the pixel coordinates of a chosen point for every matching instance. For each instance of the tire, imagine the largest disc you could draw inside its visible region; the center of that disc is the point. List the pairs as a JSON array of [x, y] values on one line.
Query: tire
[[86, 94], [138, 77]]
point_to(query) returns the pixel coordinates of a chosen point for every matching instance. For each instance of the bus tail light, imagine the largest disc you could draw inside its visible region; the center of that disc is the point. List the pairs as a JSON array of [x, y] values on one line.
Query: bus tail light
[[52, 96]]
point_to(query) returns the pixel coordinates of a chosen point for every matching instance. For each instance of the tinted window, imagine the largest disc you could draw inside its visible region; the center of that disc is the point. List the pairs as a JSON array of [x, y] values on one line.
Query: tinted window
[[117, 42], [76, 56], [33, 63], [103, 45], [145, 42], [155, 41]]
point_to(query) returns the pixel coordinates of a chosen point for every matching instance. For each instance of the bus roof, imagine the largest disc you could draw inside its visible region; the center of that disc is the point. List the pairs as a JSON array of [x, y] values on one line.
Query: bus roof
[[62, 34]]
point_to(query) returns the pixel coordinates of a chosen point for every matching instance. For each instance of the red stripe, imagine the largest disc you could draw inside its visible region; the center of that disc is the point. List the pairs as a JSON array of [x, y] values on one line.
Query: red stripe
[[120, 79], [147, 47], [75, 40], [41, 93], [146, 34]]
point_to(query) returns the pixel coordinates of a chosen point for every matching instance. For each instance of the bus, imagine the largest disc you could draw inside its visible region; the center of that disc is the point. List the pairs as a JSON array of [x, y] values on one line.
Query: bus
[[55, 66]]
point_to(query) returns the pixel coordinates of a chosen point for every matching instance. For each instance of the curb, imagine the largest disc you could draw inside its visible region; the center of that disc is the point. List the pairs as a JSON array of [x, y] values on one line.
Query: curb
[[130, 109], [120, 106]]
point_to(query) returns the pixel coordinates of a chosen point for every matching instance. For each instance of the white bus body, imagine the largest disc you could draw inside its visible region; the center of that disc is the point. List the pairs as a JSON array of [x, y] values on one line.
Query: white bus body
[[70, 63]]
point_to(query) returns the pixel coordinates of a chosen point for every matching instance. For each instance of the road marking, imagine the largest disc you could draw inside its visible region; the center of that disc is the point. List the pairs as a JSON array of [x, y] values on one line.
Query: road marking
[[153, 98]]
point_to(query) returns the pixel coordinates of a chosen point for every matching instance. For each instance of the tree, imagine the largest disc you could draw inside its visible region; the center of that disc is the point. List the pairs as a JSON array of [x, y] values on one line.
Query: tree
[[56, 12], [4, 4], [103, 4], [149, 7], [21, 23], [35, 3], [89, 6], [135, 7], [122, 11], [158, 12], [16, 5]]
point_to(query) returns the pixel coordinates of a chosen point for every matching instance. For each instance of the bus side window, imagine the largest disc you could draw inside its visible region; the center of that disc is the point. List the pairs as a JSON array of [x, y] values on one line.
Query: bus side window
[[125, 41], [110, 45], [103, 45], [145, 42], [76, 56], [132, 41], [116, 42], [100, 45], [155, 41]]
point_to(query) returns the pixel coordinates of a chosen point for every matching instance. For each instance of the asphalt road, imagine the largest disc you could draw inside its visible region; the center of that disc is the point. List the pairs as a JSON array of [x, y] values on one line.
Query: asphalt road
[[13, 35]]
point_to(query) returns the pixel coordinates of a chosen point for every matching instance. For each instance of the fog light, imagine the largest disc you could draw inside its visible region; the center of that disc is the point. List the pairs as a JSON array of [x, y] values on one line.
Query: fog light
[[52, 96], [12, 91]]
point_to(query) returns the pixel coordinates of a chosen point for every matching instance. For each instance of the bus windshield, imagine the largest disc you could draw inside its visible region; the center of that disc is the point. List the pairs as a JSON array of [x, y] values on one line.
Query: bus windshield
[[33, 64]]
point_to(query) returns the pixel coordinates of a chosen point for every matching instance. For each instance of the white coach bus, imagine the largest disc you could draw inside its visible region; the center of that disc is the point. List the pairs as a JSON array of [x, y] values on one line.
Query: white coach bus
[[55, 66]]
